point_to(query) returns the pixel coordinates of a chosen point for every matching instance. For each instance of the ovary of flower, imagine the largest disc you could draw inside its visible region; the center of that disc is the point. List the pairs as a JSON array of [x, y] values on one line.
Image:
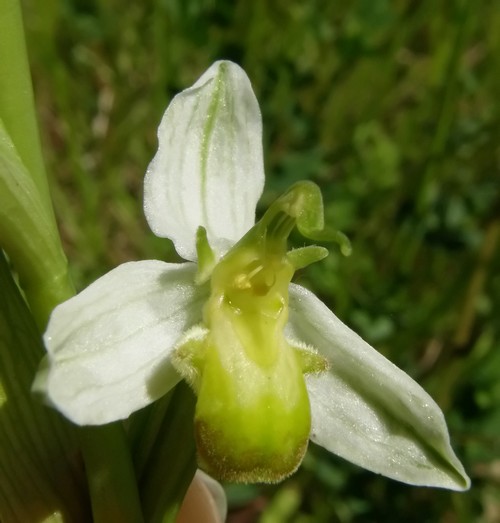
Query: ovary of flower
[[230, 322]]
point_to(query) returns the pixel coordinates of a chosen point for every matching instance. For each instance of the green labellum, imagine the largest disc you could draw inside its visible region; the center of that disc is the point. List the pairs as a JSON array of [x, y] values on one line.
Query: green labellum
[[252, 418]]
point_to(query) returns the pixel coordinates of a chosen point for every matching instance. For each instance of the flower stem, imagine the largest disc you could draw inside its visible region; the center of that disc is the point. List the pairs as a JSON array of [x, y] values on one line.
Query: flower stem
[[40, 470], [28, 234], [112, 479], [17, 108], [172, 462]]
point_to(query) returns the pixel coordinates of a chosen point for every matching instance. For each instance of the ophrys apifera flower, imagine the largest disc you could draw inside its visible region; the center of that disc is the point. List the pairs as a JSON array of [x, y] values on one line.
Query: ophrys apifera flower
[[271, 365]]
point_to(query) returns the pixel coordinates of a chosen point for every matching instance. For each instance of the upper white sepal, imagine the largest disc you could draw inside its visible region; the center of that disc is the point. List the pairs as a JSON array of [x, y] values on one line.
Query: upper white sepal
[[208, 170]]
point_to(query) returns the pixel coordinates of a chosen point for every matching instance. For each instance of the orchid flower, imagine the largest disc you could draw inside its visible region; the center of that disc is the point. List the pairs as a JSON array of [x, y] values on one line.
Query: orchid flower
[[271, 365]]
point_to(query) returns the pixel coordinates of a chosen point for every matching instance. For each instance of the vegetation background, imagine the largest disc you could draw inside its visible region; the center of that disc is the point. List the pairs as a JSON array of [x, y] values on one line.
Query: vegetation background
[[392, 108]]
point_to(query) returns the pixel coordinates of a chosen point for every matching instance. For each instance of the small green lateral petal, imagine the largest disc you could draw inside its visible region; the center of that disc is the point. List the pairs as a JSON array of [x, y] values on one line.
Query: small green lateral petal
[[304, 256], [206, 257]]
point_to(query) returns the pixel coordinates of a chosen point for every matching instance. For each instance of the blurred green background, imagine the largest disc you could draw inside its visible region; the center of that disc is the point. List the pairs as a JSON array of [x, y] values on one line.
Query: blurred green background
[[392, 108]]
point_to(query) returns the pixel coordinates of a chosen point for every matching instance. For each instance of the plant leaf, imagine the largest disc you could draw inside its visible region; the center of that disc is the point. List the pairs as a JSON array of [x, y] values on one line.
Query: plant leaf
[[41, 477], [29, 235]]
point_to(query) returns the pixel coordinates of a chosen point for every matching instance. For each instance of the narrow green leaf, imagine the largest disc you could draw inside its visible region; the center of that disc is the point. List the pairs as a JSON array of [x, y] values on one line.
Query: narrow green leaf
[[29, 236], [172, 460], [17, 108], [114, 493], [40, 470]]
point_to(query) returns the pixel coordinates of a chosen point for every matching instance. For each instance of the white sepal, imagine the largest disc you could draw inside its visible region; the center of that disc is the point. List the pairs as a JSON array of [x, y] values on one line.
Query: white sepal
[[109, 347], [367, 410], [208, 170]]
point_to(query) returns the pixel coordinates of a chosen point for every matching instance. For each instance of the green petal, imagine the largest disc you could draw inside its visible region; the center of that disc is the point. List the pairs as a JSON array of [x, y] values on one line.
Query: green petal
[[206, 256], [304, 256]]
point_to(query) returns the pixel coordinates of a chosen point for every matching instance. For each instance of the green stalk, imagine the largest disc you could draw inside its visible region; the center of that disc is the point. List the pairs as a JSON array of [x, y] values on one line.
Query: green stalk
[[144, 431], [40, 469], [29, 236], [17, 109], [34, 248], [114, 497], [171, 466]]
